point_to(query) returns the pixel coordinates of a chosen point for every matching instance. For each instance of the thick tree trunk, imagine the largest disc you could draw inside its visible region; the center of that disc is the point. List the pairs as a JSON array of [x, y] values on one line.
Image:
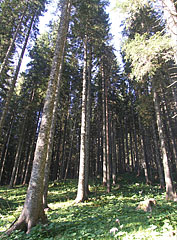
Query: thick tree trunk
[[168, 180], [81, 183], [33, 210], [54, 118]]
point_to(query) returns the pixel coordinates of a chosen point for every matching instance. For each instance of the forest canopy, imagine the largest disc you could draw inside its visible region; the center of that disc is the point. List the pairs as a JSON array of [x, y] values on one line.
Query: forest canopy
[[75, 112]]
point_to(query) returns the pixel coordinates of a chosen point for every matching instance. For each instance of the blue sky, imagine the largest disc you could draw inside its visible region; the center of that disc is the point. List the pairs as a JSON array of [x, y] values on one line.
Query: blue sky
[[115, 19]]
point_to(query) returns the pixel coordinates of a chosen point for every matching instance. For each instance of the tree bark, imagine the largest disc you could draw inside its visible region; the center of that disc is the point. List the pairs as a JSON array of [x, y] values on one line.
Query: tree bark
[[170, 195], [14, 80], [18, 155], [88, 116], [114, 160], [33, 210], [70, 151], [108, 162], [157, 156], [104, 127], [4, 155], [12, 43], [81, 183]]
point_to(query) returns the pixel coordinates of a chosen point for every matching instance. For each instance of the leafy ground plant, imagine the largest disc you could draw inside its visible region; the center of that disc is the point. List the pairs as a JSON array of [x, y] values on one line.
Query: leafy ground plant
[[103, 216]]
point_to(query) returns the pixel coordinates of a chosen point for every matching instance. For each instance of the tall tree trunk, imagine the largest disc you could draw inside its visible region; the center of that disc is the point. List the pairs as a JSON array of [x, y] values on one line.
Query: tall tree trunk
[[81, 183], [54, 118], [70, 151], [168, 180], [143, 152], [4, 155], [171, 134], [104, 127], [108, 162], [33, 210], [32, 148], [136, 143], [157, 156], [114, 162], [14, 80], [131, 151], [63, 160], [18, 155], [88, 116], [12, 43]]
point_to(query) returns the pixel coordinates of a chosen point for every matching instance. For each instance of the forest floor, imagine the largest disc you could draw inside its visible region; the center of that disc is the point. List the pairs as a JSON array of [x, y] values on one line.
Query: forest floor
[[102, 216]]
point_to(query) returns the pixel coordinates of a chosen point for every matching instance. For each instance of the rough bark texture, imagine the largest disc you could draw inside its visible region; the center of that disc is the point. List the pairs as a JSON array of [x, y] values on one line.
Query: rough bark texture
[[54, 116], [33, 210]]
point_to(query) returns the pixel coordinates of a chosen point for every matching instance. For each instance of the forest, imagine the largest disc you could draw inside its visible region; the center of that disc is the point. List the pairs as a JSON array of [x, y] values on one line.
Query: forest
[[88, 144]]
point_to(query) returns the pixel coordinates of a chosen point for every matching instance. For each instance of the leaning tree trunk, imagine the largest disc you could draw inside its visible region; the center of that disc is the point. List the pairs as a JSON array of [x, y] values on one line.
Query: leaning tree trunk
[[12, 43], [33, 210], [81, 183], [14, 80], [168, 180], [52, 129], [54, 116]]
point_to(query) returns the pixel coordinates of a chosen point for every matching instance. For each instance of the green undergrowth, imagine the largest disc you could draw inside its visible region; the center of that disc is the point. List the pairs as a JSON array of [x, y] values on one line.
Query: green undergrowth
[[102, 216]]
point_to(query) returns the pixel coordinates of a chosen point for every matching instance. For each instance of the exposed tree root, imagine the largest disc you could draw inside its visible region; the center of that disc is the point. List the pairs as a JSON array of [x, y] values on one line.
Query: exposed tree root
[[25, 223]]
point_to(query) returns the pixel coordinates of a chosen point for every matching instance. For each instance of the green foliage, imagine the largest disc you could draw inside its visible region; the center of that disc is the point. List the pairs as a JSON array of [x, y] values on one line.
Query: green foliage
[[131, 5], [103, 216], [145, 53]]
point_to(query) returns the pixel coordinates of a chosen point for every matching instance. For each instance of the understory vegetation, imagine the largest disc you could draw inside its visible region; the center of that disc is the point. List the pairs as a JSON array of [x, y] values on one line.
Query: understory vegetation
[[103, 216]]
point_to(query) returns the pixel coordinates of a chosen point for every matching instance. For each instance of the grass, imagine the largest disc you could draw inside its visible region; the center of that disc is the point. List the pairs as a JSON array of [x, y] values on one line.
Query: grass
[[103, 216]]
